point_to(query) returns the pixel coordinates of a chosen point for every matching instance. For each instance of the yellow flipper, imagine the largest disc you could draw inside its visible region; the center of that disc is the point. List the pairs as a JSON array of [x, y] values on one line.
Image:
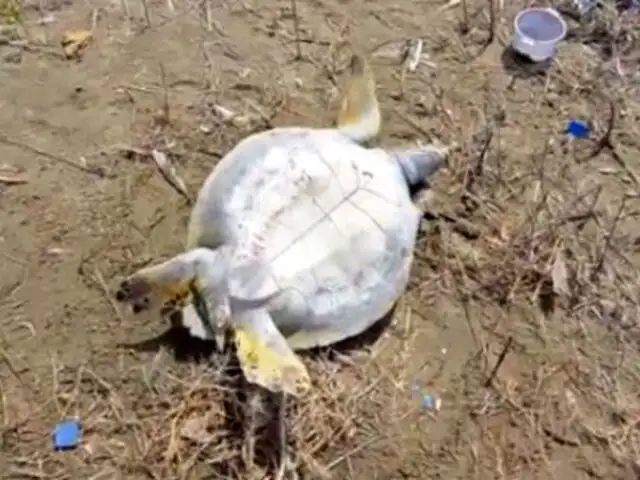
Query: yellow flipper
[[265, 357], [359, 112]]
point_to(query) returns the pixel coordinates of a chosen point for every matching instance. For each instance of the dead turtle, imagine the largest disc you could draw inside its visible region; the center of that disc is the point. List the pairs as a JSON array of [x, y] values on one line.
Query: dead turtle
[[300, 237]]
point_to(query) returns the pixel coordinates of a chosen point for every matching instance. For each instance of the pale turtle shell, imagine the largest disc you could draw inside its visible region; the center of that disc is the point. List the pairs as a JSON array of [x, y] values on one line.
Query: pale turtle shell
[[322, 229]]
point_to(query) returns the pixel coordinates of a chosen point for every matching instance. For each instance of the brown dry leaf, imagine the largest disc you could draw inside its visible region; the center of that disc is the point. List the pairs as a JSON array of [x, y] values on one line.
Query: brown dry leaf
[[560, 275], [74, 42], [169, 173]]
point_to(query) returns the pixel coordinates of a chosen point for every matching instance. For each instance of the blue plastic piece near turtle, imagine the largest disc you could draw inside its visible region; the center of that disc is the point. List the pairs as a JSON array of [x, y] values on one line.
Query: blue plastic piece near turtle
[[427, 402], [578, 129], [66, 435]]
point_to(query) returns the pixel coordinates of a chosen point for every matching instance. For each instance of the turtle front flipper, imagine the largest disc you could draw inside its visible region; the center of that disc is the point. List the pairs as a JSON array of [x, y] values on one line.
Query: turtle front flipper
[[265, 357], [167, 284]]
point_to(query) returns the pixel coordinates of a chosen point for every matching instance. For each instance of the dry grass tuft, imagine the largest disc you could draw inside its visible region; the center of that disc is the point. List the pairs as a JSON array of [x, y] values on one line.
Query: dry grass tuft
[[194, 420]]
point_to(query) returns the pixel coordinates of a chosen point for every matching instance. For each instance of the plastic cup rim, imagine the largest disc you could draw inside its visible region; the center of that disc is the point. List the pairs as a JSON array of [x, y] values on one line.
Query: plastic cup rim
[[553, 13]]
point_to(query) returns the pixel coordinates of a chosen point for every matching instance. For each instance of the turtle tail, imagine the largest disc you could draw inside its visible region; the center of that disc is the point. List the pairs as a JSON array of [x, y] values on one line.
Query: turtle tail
[[359, 115]]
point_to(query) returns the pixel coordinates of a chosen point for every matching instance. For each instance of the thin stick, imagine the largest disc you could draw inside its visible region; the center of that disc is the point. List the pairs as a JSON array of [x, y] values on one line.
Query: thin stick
[[165, 94], [248, 447], [448, 5], [7, 361], [208, 15], [465, 17], [146, 13], [95, 15], [475, 335], [492, 22], [7, 180], [383, 435], [125, 8], [127, 13], [296, 27], [99, 278], [607, 242], [283, 460], [44, 24], [503, 355], [606, 142], [479, 166], [15, 143]]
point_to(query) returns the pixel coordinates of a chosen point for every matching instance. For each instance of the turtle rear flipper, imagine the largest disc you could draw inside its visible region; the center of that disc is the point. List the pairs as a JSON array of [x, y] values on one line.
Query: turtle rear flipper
[[358, 115], [265, 357]]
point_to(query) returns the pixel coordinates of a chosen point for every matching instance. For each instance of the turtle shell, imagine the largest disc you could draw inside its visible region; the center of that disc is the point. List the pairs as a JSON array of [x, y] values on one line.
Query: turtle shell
[[322, 231]]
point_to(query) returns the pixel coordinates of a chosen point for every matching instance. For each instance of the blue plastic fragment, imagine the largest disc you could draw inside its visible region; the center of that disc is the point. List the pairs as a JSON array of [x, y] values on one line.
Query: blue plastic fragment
[[428, 402], [578, 129], [66, 435]]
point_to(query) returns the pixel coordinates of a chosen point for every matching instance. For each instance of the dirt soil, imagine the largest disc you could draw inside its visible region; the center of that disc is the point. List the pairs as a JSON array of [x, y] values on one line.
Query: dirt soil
[[514, 353]]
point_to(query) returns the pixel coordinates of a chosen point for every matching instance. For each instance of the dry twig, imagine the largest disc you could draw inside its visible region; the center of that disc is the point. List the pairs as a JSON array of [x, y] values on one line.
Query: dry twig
[[296, 28]]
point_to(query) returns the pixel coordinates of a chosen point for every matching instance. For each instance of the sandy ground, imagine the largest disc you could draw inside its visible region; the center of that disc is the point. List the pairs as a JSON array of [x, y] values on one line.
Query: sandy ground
[[530, 253]]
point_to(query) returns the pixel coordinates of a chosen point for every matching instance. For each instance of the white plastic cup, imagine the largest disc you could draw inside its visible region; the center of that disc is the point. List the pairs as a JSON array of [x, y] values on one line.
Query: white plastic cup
[[538, 32]]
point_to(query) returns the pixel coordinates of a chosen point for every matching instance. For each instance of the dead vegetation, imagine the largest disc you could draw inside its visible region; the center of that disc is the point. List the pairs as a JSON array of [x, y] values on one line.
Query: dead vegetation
[[522, 312]]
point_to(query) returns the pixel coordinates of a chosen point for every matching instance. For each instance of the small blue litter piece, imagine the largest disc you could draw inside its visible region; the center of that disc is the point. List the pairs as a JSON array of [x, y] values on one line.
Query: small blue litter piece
[[66, 435], [428, 402], [577, 129]]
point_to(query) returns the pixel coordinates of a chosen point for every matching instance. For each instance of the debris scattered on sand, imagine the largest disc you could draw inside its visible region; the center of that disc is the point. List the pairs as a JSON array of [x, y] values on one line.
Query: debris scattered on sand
[[195, 429], [10, 175], [74, 42], [583, 7], [66, 435], [13, 180], [449, 5], [163, 164], [412, 54], [227, 116], [427, 400], [169, 173], [560, 275], [431, 403], [577, 129]]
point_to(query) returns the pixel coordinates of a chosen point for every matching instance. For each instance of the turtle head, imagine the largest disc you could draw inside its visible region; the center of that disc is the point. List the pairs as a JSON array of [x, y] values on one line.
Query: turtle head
[[359, 113], [419, 163]]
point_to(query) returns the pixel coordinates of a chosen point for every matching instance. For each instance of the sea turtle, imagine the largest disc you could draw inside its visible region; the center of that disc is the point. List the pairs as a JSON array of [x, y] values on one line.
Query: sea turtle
[[300, 237]]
